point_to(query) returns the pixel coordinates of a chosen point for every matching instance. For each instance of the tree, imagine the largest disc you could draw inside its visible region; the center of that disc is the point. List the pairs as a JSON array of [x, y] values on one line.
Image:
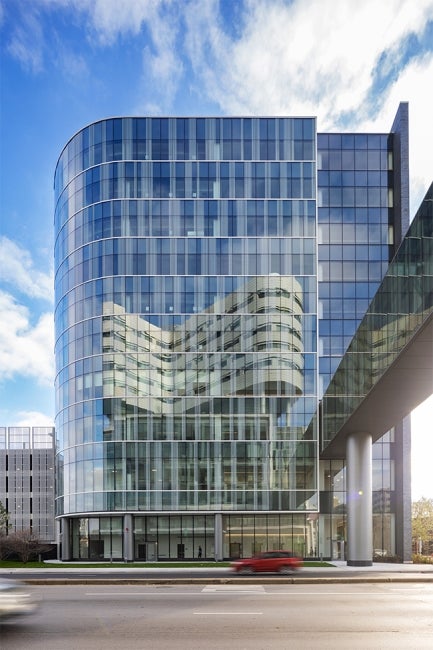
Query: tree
[[4, 520], [23, 544], [422, 525], [4, 528]]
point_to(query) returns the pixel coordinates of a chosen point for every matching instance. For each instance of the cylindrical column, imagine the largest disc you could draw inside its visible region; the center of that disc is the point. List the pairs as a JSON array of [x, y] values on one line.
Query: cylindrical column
[[128, 539], [218, 537], [359, 500], [66, 551]]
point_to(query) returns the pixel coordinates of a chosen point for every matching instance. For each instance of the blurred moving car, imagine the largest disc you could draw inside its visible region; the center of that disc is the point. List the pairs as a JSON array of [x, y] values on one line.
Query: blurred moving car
[[15, 599], [270, 561]]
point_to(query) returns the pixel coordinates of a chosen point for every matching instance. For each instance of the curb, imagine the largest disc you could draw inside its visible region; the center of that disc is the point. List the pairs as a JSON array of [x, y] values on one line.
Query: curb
[[226, 581]]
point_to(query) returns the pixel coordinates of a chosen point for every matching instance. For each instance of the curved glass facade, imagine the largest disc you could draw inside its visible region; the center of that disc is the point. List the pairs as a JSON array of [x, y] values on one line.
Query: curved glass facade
[[186, 318]]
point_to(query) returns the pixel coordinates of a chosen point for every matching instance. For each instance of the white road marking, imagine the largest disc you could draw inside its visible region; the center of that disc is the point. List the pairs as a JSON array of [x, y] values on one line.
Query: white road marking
[[124, 593], [245, 589], [228, 613], [231, 590]]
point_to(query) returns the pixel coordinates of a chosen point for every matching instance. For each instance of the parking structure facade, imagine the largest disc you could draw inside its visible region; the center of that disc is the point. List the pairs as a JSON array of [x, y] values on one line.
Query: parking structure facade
[[27, 460]]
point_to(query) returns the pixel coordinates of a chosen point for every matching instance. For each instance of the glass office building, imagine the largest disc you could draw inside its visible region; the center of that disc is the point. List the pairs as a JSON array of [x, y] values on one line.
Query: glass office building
[[210, 273]]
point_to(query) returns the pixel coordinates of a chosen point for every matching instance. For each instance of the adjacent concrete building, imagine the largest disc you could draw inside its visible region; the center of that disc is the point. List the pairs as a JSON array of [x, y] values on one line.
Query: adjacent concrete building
[[27, 479]]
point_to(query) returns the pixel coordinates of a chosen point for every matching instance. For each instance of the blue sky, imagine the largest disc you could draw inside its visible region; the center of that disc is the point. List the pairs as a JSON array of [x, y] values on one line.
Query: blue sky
[[65, 63]]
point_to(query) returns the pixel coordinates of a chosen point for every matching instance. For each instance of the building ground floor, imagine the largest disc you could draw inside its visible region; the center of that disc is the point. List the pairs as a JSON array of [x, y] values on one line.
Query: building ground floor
[[217, 536]]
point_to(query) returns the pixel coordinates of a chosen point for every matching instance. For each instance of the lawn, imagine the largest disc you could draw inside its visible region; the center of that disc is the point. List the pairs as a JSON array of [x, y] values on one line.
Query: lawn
[[6, 564]]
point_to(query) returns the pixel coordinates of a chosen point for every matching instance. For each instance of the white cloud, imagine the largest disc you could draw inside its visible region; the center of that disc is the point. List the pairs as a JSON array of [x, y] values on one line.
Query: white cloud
[[17, 269], [111, 18], [320, 57], [32, 419], [411, 86], [155, 23], [70, 63], [306, 57], [162, 62], [25, 42], [107, 18], [26, 349], [20, 418], [314, 57]]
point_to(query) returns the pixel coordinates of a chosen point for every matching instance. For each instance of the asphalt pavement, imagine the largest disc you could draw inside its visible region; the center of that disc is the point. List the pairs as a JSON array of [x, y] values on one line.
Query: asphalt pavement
[[238, 616]]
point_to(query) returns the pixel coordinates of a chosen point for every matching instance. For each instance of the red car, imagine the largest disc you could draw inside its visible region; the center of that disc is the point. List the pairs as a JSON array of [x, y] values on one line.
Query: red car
[[270, 561]]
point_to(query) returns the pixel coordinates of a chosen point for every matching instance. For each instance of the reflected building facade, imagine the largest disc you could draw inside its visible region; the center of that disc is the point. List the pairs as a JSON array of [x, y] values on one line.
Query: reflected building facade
[[210, 273]]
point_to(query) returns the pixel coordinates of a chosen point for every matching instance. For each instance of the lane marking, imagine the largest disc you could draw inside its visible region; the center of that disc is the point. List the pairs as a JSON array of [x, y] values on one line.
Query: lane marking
[[227, 613], [218, 590], [244, 589], [251, 590], [123, 593], [234, 593]]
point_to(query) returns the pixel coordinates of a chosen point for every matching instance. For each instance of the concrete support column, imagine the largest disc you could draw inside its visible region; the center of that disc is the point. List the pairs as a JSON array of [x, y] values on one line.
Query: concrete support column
[[403, 501], [66, 550], [128, 538], [359, 500], [218, 543]]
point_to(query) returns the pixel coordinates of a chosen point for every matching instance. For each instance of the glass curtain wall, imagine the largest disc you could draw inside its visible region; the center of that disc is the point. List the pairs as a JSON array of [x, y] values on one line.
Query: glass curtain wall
[[186, 320], [332, 533], [192, 537], [355, 225]]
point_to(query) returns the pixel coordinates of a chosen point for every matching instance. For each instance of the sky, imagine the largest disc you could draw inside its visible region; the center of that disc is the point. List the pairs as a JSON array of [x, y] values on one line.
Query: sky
[[65, 63]]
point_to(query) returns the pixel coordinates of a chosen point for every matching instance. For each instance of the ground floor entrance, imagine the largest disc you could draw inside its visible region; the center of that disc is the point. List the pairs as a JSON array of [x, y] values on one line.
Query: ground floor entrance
[[151, 538]]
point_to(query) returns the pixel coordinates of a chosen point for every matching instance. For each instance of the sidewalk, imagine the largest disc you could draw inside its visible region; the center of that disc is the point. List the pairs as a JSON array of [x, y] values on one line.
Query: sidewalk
[[385, 567], [339, 572], [378, 572]]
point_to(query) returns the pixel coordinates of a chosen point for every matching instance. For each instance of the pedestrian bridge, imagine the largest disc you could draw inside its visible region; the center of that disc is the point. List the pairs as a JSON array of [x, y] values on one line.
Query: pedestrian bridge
[[387, 370], [385, 374]]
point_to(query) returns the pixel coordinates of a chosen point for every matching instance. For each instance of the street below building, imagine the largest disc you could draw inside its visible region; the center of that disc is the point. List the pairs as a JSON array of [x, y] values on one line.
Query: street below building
[[221, 616]]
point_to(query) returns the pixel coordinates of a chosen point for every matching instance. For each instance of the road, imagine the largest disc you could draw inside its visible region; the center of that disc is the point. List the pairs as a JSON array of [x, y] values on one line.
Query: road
[[221, 617]]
